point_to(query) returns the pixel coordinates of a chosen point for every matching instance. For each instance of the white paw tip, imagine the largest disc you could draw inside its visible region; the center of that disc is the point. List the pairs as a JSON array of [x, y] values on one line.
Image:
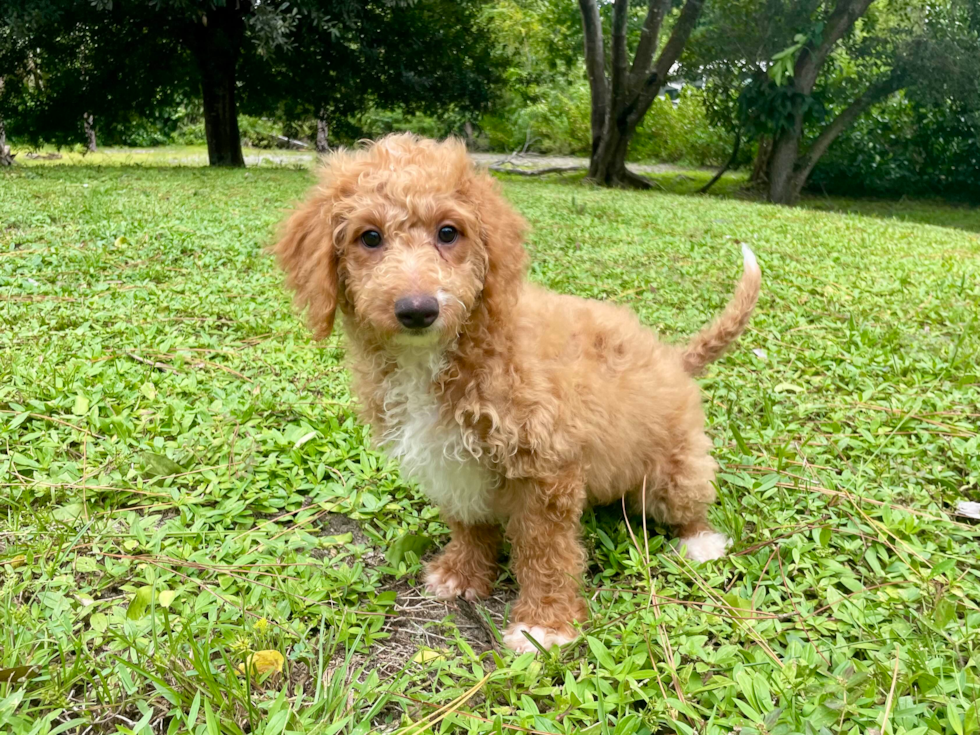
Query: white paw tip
[[448, 587], [515, 640], [705, 546], [749, 259]]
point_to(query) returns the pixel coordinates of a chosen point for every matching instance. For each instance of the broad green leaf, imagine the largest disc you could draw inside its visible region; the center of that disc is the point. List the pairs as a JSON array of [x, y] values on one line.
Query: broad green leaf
[[160, 465], [405, 543], [81, 405], [86, 564], [140, 602], [601, 653], [99, 622]]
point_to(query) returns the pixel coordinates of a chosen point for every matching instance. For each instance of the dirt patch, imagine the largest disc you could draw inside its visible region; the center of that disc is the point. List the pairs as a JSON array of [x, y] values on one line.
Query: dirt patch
[[422, 621], [337, 524]]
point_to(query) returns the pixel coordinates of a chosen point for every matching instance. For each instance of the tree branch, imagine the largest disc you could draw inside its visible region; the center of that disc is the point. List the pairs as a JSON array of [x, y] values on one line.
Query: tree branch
[[728, 164], [595, 65], [678, 38], [877, 91], [649, 39], [844, 15], [668, 57], [620, 55]]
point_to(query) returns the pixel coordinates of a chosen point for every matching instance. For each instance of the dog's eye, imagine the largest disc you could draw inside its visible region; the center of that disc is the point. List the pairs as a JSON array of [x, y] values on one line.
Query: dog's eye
[[448, 234], [371, 238]]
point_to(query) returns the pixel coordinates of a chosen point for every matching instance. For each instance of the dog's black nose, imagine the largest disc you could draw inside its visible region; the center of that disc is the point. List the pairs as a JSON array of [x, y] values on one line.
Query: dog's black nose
[[417, 312]]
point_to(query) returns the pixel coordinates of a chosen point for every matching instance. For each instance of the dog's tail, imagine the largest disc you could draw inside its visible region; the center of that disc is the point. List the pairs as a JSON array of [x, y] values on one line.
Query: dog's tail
[[709, 344]]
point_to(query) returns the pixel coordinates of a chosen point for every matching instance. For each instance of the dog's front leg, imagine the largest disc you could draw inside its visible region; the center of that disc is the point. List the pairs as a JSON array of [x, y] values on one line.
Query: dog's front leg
[[548, 560], [467, 567]]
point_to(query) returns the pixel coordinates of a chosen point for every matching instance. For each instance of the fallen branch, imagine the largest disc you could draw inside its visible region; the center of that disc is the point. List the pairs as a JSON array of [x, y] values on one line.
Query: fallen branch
[[537, 171], [52, 419], [290, 142], [151, 363]]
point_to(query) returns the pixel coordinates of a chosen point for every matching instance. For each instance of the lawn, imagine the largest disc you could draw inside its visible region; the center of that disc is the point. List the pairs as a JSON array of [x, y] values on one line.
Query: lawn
[[188, 502]]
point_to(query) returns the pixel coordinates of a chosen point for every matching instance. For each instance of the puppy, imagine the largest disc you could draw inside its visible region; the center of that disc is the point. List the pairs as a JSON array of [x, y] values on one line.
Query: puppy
[[513, 407]]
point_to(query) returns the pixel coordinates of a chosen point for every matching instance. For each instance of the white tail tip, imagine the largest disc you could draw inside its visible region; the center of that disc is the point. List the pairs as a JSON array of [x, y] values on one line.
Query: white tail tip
[[968, 509], [751, 264]]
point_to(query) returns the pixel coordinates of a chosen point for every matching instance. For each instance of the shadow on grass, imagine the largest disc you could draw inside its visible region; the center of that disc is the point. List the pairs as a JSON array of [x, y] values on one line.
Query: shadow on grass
[[937, 212]]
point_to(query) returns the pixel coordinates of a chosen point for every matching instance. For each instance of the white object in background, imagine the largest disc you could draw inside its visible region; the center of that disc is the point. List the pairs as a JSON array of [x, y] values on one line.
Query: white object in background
[[968, 509]]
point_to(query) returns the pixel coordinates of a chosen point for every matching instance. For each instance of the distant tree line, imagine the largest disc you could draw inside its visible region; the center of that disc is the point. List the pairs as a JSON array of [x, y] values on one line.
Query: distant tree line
[[780, 85]]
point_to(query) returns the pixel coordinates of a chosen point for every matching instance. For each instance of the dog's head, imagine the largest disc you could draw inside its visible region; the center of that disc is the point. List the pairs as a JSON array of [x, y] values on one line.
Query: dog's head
[[407, 238]]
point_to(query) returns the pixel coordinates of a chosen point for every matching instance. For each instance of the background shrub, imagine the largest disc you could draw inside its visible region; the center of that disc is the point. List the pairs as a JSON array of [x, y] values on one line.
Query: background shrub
[[903, 148], [678, 131]]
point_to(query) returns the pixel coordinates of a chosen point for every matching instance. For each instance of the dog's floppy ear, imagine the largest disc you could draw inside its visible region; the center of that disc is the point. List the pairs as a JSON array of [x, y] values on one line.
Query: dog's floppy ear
[[306, 253], [503, 237]]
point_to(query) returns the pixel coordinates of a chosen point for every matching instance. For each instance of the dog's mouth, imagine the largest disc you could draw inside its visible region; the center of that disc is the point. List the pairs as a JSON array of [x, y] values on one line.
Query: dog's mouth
[[419, 337]]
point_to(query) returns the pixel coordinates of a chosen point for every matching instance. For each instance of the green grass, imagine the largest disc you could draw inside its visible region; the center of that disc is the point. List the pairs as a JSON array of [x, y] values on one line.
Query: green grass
[[183, 483], [172, 155]]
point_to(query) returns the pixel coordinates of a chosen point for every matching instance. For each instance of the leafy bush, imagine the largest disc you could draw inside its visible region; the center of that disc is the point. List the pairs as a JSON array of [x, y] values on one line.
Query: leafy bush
[[142, 132], [559, 123], [259, 132], [679, 132], [376, 122], [902, 148], [191, 133], [556, 123]]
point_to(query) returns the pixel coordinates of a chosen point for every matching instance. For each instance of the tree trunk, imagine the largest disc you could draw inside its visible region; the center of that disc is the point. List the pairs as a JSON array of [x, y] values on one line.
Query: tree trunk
[[782, 163], [216, 44], [621, 99], [787, 172], [322, 131], [6, 159], [595, 60], [88, 121], [608, 166]]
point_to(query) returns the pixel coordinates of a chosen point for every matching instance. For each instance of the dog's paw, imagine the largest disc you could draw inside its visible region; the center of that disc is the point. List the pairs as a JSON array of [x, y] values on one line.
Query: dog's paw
[[705, 546], [515, 640], [445, 585]]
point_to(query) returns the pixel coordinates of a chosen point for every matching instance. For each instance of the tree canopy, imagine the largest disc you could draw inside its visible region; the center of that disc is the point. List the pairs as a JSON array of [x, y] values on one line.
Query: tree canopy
[[795, 75], [432, 55], [116, 59]]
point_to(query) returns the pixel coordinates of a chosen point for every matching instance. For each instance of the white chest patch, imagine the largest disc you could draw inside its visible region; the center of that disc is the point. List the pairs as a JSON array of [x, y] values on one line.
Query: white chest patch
[[429, 449]]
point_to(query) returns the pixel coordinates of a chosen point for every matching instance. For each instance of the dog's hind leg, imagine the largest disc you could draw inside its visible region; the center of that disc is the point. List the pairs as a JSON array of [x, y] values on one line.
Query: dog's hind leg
[[467, 567], [548, 560], [682, 496]]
